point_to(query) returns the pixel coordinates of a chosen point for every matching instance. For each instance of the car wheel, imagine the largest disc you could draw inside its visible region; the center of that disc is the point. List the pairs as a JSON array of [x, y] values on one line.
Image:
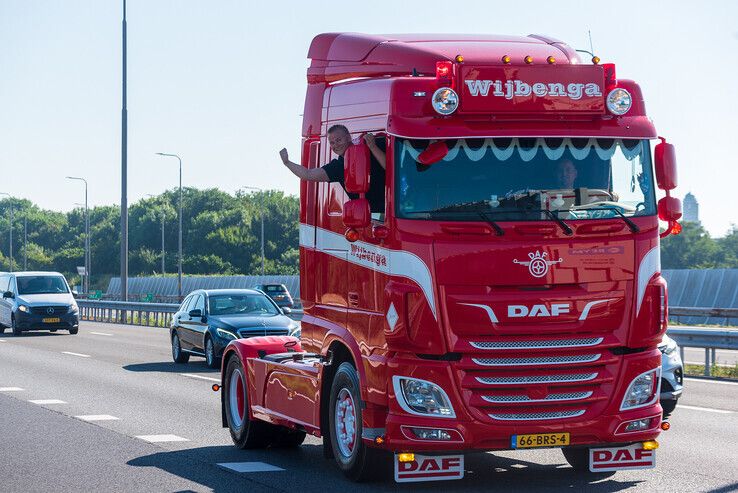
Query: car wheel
[[668, 407], [357, 461], [210, 358], [73, 330], [178, 355], [17, 331], [245, 432]]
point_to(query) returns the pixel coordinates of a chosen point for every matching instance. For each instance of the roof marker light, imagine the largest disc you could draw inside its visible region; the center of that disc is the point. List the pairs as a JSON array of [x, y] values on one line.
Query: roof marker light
[[506, 59], [551, 60], [459, 59], [528, 59], [595, 60]]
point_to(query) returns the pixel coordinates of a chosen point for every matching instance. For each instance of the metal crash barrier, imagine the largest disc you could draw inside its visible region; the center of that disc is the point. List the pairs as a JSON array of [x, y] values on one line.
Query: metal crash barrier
[[126, 312]]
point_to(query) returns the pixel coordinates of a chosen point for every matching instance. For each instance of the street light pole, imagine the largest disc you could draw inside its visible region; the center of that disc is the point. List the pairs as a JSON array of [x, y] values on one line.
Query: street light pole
[[25, 241], [86, 286], [163, 265], [179, 259], [261, 211], [11, 230]]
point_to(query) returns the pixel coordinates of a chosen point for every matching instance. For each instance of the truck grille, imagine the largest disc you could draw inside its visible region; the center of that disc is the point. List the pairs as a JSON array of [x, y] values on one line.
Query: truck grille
[[534, 378]]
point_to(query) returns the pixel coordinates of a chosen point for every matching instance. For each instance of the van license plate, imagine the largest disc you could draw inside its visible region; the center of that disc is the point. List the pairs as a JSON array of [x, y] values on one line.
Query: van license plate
[[51, 320], [540, 440]]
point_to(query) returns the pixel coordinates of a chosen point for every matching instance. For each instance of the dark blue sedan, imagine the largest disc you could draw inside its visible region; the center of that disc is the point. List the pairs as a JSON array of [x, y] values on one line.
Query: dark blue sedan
[[207, 320]]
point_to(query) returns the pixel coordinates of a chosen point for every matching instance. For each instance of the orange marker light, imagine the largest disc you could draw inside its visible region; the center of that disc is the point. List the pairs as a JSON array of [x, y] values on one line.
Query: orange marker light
[[215, 387], [379, 440], [665, 425], [406, 457], [595, 60], [528, 59], [351, 235], [551, 60], [676, 228], [459, 58], [506, 59]]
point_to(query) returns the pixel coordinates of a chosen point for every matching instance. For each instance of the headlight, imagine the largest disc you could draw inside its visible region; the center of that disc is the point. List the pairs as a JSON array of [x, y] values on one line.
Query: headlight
[[643, 390], [669, 347], [422, 397], [24, 309], [226, 334], [445, 101], [295, 330], [74, 308], [619, 101]]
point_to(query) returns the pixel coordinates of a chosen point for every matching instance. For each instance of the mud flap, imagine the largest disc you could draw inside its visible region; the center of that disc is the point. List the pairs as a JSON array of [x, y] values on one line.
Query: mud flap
[[429, 468], [621, 458]]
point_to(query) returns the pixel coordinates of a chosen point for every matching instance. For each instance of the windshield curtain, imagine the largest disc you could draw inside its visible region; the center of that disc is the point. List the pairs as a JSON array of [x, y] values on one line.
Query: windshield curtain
[[520, 178], [240, 304], [41, 285]]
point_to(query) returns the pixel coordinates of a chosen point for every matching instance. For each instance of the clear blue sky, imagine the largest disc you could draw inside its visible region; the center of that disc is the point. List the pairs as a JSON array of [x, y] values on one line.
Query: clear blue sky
[[222, 85]]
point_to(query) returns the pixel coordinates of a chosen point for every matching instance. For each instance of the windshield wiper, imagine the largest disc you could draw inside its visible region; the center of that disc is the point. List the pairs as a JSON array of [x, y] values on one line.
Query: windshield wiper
[[456, 209], [631, 225], [565, 227]]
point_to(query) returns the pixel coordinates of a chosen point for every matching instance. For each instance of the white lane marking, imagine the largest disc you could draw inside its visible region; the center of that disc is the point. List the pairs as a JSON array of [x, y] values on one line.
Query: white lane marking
[[76, 354], [10, 389], [96, 417], [101, 334], [249, 466], [704, 380], [42, 402], [707, 409], [201, 377], [3, 340], [161, 438]]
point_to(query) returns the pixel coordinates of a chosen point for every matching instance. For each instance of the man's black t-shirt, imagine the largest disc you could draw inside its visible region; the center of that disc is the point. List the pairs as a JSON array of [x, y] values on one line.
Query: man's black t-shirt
[[375, 195]]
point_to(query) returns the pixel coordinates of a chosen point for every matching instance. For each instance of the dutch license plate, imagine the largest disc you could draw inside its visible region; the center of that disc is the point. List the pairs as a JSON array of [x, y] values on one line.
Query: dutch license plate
[[51, 320], [540, 440]]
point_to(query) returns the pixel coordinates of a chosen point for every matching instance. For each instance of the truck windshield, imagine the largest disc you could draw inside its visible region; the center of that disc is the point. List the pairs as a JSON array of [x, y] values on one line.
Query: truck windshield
[[519, 179]]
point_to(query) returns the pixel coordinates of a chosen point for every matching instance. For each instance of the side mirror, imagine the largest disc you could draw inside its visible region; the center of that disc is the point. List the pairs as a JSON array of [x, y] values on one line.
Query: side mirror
[[670, 209], [286, 310], [356, 168], [8, 294], [666, 171], [196, 313], [75, 294], [433, 153], [356, 213]]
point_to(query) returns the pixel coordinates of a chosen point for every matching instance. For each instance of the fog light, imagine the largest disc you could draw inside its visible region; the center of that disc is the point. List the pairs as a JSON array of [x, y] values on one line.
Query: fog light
[[445, 101], [638, 425], [431, 434], [406, 457], [619, 101], [650, 445]]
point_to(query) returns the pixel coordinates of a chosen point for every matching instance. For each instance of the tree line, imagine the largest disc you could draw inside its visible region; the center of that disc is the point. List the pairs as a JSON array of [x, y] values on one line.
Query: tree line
[[221, 235]]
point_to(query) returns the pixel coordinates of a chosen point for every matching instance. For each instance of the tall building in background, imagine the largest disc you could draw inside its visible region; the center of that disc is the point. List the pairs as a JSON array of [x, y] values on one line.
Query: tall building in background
[[691, 208]]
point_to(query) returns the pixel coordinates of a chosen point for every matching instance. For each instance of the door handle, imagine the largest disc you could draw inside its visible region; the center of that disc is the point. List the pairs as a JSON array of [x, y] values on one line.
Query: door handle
[[353, 298]]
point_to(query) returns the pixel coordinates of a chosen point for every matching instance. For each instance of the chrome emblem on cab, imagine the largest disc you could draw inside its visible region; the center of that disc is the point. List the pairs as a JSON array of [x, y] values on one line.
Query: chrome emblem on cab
[[538, 265]]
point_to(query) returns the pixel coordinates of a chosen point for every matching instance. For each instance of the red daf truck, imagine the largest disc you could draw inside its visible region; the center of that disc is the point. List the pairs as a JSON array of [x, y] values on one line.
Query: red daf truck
[[507, 292]]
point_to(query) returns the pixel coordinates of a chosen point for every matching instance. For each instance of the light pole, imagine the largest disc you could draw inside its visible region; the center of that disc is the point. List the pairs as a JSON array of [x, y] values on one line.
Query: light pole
[[261, 211], [179, 259], [163, 265], [87, 237], [11, 230], [25, 241]]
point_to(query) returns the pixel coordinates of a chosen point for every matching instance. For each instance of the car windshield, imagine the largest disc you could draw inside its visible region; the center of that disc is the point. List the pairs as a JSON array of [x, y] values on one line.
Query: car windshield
[[41, 285], [232, 304], [526, 179]]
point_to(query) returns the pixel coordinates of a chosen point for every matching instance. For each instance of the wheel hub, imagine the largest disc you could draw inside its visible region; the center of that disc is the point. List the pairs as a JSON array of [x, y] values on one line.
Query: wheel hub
[[236, 398], [346, 425]]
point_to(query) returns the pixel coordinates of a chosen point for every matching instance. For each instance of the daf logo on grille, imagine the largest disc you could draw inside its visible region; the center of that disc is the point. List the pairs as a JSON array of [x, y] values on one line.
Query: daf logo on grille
[[538, 265], [50, 311]]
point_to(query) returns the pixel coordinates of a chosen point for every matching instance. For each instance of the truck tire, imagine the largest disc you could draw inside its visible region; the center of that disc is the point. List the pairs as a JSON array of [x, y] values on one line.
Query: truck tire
[[578, 458], [178, 355], [17, 331], [290, 439], [246, 433], [357, 461]]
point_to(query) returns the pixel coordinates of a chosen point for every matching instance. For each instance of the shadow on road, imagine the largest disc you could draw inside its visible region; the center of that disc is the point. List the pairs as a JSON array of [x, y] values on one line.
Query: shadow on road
[[306, 469], [171, 367], [35, 333]]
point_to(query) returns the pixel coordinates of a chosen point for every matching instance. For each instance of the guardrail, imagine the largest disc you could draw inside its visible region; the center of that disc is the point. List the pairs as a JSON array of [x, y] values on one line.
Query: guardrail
[[709, 339], [126, 312], [681, 311]]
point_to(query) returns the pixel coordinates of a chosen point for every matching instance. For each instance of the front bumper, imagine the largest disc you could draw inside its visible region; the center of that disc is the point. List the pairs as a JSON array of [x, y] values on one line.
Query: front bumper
[[672, 376], [476, 430], [32, 321]]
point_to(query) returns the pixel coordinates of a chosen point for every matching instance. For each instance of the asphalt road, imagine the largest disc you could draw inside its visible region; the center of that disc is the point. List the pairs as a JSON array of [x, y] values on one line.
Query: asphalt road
[[102, 396]]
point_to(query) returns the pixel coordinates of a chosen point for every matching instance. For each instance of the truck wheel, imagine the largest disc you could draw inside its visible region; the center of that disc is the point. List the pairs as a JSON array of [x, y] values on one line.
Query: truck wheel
[[14, 326], [210, 360], [357, 461], [245, 432], [178, 355], [578, 458], [290, 439]]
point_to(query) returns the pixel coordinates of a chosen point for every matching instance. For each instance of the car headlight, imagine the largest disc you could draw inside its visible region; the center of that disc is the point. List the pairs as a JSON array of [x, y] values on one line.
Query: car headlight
[[225, 334], [445, 101], [669, 347], [295, 330], [619, 101], [422, 397], [24, 308], [643, 390], [74, 308]]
